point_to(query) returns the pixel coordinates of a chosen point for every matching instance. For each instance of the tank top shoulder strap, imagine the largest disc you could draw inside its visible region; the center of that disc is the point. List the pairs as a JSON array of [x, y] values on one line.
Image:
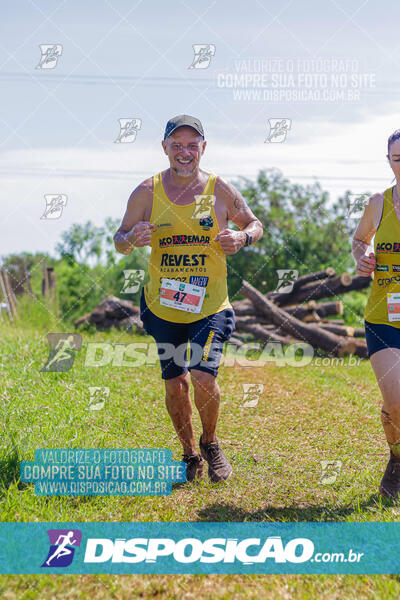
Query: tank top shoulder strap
[[210, 187], [158, 188], [156, 182], [387, 205], [388, 201]]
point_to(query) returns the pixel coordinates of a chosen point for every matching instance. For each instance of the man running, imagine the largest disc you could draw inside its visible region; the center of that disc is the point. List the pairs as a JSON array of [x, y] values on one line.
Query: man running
[[183, 214]]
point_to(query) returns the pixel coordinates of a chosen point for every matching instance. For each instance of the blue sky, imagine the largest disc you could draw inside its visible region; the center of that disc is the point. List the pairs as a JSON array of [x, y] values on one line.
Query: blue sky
[[130, 60]]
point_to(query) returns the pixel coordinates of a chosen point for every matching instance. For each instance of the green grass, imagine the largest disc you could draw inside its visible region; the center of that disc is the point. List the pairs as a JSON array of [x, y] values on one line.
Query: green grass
[[305, 415]]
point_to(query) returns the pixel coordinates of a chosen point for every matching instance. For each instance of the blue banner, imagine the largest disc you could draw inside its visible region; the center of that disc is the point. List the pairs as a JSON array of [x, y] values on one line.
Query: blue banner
[[281, 548]]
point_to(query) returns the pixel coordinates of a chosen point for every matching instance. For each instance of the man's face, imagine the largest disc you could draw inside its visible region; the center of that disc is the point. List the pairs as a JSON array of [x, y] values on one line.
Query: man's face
[[184, 148]]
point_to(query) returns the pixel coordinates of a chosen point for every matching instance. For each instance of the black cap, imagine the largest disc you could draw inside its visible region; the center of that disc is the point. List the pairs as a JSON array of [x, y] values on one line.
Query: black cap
[[182, 120]]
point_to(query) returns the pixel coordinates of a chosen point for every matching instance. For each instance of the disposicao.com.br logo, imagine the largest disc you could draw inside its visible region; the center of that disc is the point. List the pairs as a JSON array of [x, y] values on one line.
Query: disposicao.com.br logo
[[213, 550]]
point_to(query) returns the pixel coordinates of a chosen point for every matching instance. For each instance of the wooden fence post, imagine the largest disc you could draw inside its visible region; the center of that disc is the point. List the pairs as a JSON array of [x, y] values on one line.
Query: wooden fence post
[[10, 293], [45, 281], [51, 276], [3, 287], [28, 283]]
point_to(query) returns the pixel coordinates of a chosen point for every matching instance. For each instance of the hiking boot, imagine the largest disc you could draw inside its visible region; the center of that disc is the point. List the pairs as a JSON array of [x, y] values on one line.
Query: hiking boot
[[194, 466], [219, 468], [390, 484]]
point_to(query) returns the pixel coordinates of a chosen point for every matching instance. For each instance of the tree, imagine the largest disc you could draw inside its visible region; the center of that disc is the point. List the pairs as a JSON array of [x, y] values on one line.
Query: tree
[[23, 267], [110, 227], [82, 242], [302, 231]]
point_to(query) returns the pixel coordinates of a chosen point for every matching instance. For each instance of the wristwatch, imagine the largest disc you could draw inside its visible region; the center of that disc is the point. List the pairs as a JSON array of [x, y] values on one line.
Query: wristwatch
[[249, 239]]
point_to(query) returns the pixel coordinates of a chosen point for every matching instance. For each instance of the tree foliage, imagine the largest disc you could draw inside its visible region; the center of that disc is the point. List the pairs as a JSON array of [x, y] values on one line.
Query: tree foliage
[[302, 231]]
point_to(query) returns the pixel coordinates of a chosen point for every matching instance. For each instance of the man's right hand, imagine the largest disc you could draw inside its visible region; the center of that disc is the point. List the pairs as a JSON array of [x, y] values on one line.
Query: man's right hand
[[366, 264], [140, 234]]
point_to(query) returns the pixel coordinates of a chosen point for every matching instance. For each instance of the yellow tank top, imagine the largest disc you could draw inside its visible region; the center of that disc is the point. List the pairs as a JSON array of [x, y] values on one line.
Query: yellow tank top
[[182, 248], [387, 258]]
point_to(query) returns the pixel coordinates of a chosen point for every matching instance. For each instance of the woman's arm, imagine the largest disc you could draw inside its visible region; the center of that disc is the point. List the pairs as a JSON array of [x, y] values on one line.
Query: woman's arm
[[364, 233]]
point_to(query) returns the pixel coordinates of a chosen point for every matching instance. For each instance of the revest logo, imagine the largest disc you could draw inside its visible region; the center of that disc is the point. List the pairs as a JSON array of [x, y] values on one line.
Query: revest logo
[[183, 260]]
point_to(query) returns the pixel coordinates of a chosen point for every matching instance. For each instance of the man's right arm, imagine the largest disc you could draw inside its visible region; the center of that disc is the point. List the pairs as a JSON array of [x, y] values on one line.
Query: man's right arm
[[134, 230]]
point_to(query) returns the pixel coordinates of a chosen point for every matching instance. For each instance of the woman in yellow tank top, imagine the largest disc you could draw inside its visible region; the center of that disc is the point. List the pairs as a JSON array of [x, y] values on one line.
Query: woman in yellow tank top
[[382, 314]]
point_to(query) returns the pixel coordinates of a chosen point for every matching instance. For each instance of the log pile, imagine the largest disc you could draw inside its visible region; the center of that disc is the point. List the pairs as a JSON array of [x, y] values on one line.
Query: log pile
[[278, 317], [114, 312], [297, 317]]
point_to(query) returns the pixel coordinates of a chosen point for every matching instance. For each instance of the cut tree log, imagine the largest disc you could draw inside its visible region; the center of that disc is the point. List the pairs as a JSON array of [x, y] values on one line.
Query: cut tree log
[[113, 308], [264, 334], [338, 329], [107, 324], [240, 336], [359, 332], [243, 308], [254, 320], [305, 312], [341, 329], [133, 323], [309, 278], [267, 327], [323, 289], [324, 309], [113, 311], [309, 333], [334, 321], [83, 320], [235, 341]]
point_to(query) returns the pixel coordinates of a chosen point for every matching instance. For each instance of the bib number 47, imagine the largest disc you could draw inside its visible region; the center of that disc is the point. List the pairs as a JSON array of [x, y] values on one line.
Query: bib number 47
[[180, 296]]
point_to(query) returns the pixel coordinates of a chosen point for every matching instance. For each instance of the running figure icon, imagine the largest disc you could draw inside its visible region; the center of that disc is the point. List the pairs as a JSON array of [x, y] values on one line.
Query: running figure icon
[[62, 549]]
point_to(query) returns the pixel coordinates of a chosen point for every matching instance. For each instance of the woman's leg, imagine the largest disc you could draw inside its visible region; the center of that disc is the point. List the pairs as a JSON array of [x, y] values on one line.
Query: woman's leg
[[386, 365]]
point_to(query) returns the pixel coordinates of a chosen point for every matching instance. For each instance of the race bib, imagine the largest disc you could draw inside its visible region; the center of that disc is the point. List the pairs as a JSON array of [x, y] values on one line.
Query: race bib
[[393, 305], [183, 296]]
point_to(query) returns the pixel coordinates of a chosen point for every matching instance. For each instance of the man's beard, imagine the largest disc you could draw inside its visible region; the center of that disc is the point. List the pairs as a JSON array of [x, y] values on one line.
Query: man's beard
[[184, 173]]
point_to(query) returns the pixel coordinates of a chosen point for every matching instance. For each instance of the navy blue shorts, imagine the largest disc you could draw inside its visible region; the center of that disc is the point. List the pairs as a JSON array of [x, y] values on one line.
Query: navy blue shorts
[[206, 336], [381, 337]]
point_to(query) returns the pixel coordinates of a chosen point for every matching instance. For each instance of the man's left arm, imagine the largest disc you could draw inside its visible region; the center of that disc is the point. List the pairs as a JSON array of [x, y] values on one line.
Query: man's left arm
[[239, 213]]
